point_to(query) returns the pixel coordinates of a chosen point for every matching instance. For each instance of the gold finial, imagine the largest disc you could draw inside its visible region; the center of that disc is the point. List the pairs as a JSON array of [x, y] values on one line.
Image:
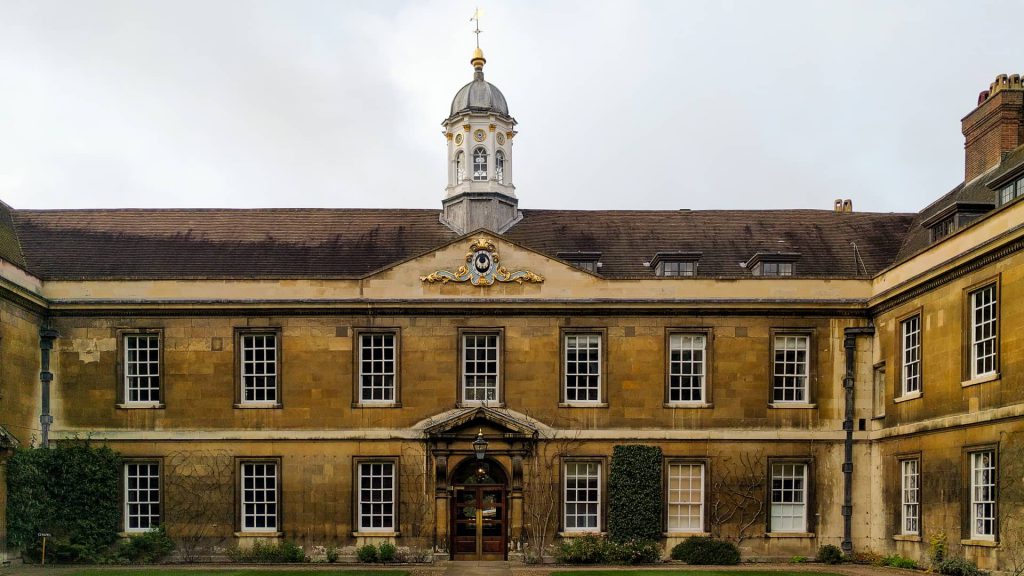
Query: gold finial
[[478, 59]]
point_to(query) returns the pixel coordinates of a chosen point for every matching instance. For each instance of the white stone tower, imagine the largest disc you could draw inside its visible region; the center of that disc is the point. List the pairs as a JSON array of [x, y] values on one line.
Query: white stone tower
[[479, 131]]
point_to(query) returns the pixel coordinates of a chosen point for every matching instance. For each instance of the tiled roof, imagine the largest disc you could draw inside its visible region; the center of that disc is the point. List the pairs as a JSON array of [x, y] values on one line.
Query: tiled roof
[[296, 243]]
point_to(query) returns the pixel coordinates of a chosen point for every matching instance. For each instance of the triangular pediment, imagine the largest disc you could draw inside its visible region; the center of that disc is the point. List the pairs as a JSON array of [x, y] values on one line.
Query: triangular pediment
[[455, 421]]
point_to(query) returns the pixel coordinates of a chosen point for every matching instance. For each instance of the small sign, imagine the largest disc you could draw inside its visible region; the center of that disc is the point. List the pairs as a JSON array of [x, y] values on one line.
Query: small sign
[[44, 535]]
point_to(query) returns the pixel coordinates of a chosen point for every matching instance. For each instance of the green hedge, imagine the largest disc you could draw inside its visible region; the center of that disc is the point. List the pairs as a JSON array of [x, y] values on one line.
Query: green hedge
[[69, 491], [634, 493]]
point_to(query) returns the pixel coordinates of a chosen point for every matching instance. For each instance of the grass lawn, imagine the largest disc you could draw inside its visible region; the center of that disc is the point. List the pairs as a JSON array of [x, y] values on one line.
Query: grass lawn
[[685, 572], [229, 572]]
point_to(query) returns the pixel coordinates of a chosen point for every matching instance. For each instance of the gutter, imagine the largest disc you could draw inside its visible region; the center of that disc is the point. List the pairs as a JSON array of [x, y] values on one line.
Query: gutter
[[850, 346]]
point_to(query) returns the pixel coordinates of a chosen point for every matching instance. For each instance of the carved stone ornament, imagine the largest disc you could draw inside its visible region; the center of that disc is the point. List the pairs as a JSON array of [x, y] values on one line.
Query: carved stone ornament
[[482, 269]]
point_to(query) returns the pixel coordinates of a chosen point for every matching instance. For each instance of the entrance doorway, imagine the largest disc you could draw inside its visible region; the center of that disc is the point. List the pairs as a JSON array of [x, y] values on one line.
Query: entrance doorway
[[479, 512]]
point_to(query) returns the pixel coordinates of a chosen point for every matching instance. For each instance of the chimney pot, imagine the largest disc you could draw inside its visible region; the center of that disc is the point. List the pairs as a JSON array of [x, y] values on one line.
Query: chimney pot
[[847, 205]]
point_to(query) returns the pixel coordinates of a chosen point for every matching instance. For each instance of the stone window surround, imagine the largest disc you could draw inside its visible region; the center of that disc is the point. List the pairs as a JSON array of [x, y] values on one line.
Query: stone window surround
[[239, 508], [812, 374], [121, 378], [602, 508], [898, 340], [396, 495], [123, 489], [279, 368], [500, 332], [810, 497], [602, 401], [357, 398], [708, 333], [705, 491], [967, 331]]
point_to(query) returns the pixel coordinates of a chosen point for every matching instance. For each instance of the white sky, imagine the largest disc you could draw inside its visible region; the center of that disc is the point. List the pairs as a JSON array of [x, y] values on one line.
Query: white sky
[[621, 105]]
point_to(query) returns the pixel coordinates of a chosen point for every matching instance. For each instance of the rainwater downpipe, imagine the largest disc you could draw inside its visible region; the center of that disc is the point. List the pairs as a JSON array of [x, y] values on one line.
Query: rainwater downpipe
[[46, 337], [850, 346]]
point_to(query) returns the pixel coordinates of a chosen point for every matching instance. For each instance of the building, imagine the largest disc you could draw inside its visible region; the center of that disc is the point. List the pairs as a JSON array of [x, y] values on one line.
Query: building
[[330, 375]]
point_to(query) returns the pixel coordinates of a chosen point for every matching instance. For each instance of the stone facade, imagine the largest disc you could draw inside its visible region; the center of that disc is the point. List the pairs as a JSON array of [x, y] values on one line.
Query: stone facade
[[317, 433]]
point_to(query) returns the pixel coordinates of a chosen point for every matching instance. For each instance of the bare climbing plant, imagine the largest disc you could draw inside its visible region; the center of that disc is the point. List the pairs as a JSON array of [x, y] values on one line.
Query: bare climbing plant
[[737, 506], [198, 503]]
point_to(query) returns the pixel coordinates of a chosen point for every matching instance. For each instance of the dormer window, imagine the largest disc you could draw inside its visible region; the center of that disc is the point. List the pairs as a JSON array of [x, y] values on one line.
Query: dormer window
[[480, 164], [773, 265], [675, 264], [954, 217], [1011, 191], [589, 261]]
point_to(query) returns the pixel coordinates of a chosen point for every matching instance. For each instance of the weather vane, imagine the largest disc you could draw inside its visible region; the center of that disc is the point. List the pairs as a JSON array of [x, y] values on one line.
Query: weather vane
[[476, 16]]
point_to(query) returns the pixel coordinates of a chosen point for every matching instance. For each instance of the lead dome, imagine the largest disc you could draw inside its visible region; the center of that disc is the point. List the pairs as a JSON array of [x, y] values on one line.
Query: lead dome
[[479, 95]]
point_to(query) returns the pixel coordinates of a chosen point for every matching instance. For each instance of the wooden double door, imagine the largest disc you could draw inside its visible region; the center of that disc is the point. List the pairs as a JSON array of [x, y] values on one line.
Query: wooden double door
[[479, 522]]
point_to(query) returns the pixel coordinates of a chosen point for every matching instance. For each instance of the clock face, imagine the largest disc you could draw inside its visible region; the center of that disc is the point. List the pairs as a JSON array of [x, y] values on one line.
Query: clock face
[[458, 139], [479, 135], [501, 138], [482, 261]]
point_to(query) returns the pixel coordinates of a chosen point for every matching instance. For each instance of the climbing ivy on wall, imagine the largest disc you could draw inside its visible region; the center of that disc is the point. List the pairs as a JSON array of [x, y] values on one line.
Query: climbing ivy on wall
[[69, 491], [635, 494]]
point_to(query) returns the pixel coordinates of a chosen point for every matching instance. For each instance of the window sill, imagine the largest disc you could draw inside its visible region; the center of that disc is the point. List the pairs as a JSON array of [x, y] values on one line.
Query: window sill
[[582, 404], [258, 534], [789, 535], [376, 534], [907, 397], [792, 406], [994, 377], [981, 543], [688, 405], [907, 537], [686, 534], [580, 534], [377, 405], [256, 405], [141, 405], [480, 405]]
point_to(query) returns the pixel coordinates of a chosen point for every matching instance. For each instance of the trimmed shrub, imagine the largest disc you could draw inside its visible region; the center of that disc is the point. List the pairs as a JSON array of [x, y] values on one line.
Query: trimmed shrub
[[386, 552], [897, 561], [367, 554], [634, 493], [635, 552], [332, 553], [284, 552], [704, 551], [798, 560], [829, 554], [587, 549], [146, 548], [65, 491], [957, 566]]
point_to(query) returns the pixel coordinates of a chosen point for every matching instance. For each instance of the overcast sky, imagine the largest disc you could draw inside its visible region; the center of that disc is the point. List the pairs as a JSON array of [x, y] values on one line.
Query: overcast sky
[[621, 105]]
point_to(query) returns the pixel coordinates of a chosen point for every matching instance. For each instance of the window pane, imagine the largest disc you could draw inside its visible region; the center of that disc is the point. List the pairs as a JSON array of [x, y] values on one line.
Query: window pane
[[259, 496], [376, 496], [910, 490], [984, 348], [259, 367], [686, 498], [789, 498], [790, 368], [983, 495], [686, 367], [583, 367], [142, 496], [480, 368], [142, 367], [377, 368], [911, 375], [582, 496]]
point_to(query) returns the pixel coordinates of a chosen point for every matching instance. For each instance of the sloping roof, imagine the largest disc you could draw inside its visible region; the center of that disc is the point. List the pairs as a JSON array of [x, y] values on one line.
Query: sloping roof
[[976, 191], [10, 246], [296, 243], [626, 239]]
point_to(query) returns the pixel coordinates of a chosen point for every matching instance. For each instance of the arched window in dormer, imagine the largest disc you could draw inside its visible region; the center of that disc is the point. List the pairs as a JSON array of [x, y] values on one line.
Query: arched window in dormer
[[480, 163], [460, 167], [499, 166]]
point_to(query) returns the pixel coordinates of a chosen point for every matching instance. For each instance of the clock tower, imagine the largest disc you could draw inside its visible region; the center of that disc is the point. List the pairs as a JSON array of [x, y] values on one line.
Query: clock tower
[[479, 133]]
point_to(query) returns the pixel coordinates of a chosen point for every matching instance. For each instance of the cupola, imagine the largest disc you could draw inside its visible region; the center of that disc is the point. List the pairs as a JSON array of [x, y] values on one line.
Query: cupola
[[479, 133]]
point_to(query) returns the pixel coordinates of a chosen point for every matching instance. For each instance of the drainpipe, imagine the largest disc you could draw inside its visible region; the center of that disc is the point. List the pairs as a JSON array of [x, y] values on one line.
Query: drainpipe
[[46, 337], [850, 346]]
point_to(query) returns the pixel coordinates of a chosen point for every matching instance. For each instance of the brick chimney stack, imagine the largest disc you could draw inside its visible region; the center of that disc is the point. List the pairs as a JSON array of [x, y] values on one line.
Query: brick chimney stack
[[995, 126]]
